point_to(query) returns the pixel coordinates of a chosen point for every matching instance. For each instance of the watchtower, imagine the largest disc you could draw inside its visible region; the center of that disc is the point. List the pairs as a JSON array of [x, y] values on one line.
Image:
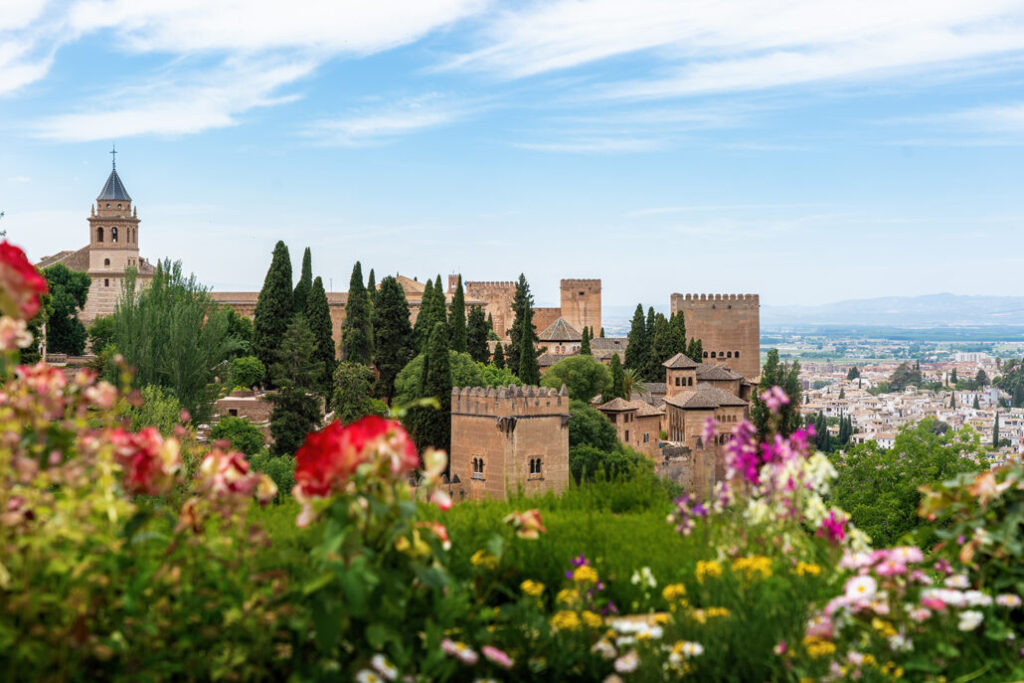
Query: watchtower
[[729, 327], [581, 304]]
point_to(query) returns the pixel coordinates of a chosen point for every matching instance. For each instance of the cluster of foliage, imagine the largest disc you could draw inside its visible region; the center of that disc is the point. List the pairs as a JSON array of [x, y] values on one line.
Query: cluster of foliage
[[655, 339], [906, 375], [880, 488], [780, 384], [823, 439], [1011, 380], [521, 355], [595, 451], [68, 291]]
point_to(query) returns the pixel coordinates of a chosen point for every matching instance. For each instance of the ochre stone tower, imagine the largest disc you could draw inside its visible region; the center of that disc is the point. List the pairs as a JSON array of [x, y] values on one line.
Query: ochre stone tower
[[581, 304], [509, 439], [728, 325], [499, 297], [113, 246]]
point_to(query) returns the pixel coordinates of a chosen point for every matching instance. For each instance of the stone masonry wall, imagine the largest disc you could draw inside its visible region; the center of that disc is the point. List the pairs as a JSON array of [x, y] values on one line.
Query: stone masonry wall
[[581, 304], [728, 325]]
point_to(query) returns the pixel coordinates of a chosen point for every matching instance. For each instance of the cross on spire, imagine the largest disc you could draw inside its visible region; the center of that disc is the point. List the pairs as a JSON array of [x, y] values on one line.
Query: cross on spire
[[113, 157]]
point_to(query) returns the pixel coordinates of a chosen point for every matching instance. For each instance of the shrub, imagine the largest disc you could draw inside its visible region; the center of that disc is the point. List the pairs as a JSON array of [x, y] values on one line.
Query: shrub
[[589, 427], [159, 408], [246, 372], [583, 376], [280, 468], [243, 434]]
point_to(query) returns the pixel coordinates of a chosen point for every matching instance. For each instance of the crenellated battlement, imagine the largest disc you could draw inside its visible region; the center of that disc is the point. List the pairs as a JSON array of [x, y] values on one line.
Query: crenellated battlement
[[584, 282], [489, 284], [510, 401], [739, 300]]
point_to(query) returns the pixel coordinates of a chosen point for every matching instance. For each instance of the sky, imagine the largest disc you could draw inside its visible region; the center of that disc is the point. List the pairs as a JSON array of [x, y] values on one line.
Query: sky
[[808, 150]]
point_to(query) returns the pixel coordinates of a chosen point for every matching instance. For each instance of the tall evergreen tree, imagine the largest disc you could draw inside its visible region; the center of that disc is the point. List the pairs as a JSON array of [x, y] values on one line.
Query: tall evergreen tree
[[952, 400], [618, 389], [357, 330], [318, 316], [424, 317], [976, 405], [781, 375], [995, 432], [394, 337], [522, 326], [440, 302], [457, 319], [305, 283], [371, 288], [662, 345], [476, 335], [296, 375], [499, 356], [274, 307], [585, 343], [695, 350], [431, 427], [529, 370], [638, 345], [677, 326]]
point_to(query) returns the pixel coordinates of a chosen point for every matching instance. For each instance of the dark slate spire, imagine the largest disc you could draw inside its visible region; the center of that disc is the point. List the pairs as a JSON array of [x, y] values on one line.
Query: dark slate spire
[[113, 189]]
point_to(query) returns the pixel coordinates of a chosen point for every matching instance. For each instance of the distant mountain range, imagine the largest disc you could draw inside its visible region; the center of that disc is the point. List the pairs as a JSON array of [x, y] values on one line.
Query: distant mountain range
[[933, 310]]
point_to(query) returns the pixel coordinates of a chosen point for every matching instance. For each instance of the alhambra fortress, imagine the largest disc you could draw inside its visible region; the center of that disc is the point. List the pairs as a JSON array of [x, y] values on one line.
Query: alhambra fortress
[[512, 438]]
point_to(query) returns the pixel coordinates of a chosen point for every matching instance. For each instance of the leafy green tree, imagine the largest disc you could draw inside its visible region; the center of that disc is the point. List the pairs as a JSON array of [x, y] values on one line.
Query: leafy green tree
[[589, 427], [430, 427], [906, 375], [677, 328], [632, 383], [318, 316], [159, 408], [353, 393], [952, 378], [305, 284], [174, 335], [583, 376], [296, 373], [394, 336], [587, 463], [101, 332], [842, 393], [465, 372], [981, 379], [787, 377], [243, 435], [274, 307], [476, 335], [585, 343], [240, 332], [492, 376], [879, 488], [357, 330], [638, 346], [1012, 381], [499, 356], [68, 291], [523, 335], [853, 374], [618, 384], [529, 370], [246, 372], [976, 404], [457, 319]]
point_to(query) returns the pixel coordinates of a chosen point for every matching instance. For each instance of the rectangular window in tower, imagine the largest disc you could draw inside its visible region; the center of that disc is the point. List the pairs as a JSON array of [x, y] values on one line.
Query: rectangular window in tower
[[627, 436]]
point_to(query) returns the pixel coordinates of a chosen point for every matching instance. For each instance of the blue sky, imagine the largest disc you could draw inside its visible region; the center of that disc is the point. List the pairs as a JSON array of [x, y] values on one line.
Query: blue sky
[[809, 151]]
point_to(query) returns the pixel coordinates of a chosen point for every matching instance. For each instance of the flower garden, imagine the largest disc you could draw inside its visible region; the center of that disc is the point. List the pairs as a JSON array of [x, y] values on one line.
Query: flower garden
[[128, 555]]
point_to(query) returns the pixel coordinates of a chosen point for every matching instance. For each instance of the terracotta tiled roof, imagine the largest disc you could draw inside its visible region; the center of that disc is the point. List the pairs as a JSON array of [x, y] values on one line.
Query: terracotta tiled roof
[[716, 373], [608, 344], [617, 404], [75, 260], [705, 396], [560, 330], [546, 360], [680, 362]]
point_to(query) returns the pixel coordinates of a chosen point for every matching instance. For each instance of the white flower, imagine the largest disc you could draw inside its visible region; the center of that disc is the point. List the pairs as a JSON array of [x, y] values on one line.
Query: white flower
[[861, 587], [692, 649], [1008, 600], [628, 662], [855, 560], [977, 599], [623, 641], [957, 581], [384, 667], [858, 539], [900, 643], [604, 648], [367, 676], [969, 620], [815, 510], [950, 597], [757, 512], [819, 472]]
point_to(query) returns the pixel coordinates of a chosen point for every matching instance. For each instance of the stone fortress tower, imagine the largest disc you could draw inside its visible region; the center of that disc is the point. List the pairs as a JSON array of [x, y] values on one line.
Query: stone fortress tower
[[729, 327], [581, 304], [113, 248], [509, 439]]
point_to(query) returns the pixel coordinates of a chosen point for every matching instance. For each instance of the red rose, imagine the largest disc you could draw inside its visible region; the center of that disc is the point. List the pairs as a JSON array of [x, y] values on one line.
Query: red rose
[[149, 461], [21, 285], [329, 457]]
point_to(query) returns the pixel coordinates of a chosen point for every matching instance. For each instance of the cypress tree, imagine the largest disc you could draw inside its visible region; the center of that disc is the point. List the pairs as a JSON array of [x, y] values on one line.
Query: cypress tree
[[976, 405], [457, 319], [476, 335], [425, 317], [952, 400], [662, 345], [274, 307], [432, 427], [394, 338], [618, 380], [440, 303], [695, 350], [995, 432], [842, 393], [585, 343], [296, 374], [318, 315], [302, 289], [602, 333], [499, 356], [638, 346], [529, 371], [677, 323], [356, 331], [371, 288], [522, 326]]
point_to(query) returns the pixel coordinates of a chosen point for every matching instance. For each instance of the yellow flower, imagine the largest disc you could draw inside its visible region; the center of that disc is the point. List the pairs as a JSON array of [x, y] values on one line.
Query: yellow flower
[[708, 569], [484, 560], [673, 592], [532, 588], [592, 619], [807, 569], [565, 620], [700, 616], [716, 612], [585, 574], [883, 627], [753, 565], [661, 618], [567, 596], [818, 647]]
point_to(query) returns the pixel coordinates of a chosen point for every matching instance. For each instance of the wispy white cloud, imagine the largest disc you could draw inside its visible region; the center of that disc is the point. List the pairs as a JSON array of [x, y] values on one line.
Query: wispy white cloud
[[587, 145], [179, 104], [385, 124]]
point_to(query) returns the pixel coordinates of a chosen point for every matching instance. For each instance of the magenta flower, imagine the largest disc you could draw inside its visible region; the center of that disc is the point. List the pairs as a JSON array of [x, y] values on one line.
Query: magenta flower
[[833, 528], [774, 399], [497, 656]]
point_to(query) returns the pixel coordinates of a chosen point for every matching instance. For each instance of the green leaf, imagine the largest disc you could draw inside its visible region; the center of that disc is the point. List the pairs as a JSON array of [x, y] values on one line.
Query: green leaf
[[327, 622]]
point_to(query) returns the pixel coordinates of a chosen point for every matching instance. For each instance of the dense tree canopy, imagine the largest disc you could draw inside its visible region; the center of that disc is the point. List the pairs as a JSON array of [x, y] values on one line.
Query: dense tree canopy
[[904, 376], [457, 319], [583, 376], [476, 335], [638, 348], [68, 291], [357, 330], [246, 372], [427, 426], [353, 393], [318, 316], [521, 356], [787, 377], [243, 435], [394, 336], [296, 373], [465, 372], [274, 307], [305, 284]]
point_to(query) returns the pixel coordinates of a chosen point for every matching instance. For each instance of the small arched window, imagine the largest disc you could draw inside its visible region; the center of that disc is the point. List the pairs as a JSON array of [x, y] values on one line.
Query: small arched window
[[99, 234], [113, 234], [737, 355], [728, 354], [106, 282], [713, 353], [106, 262], [119, 206], [705, 354]]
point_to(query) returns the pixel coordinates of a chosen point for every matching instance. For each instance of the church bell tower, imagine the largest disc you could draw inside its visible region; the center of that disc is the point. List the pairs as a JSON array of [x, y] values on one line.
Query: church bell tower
[[113, 229]]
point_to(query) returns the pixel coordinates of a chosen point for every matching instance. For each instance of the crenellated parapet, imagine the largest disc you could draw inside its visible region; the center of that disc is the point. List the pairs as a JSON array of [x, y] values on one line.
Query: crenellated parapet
[[510, 401], [737, 300]]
